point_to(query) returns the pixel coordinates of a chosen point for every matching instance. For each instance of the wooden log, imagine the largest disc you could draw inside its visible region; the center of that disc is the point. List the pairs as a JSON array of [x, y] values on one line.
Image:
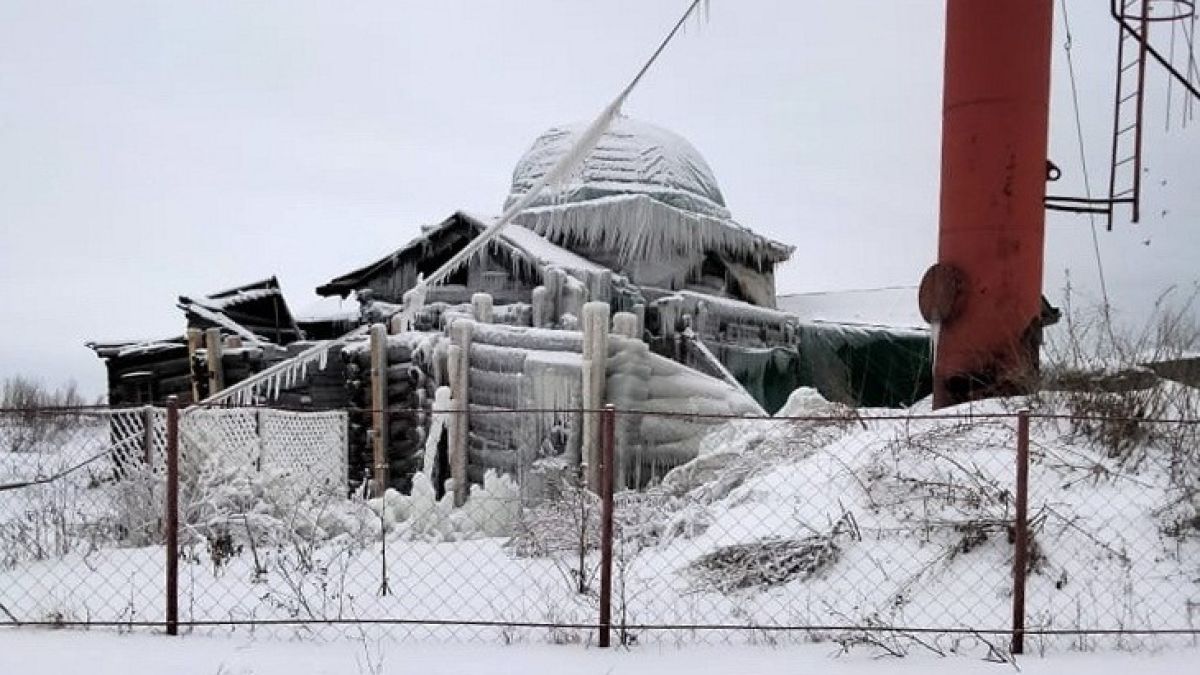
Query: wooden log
[[513, 336], [491, 379], [399, 352], [398, 391], [484, 453], [180, 384], [379, 401], [168, 368], [406, 372], [499, 359], [496, 398], [212, 356]]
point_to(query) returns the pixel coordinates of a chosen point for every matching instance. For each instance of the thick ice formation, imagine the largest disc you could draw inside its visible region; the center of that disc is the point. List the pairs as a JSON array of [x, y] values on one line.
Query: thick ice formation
[[632, 157]]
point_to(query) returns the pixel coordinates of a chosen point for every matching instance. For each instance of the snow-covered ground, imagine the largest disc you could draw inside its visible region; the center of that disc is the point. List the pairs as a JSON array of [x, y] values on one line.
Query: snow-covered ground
[[850, 524], [32, 652]]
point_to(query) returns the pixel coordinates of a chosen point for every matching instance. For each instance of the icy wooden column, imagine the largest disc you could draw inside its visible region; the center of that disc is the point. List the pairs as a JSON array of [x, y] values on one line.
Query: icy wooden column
[[625, 324], [195, 341], [458, 366], [396, 324], [212, 355], [379, 403], [540, 306], [595, 357], [481, 307]]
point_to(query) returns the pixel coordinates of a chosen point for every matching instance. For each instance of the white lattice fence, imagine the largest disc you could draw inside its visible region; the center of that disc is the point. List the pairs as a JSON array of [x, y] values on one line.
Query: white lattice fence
[[229, 433], [137, 435], [311, 446]]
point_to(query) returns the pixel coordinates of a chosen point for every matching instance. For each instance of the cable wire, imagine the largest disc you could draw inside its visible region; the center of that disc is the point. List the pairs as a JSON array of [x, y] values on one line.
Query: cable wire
[[1087, 182]]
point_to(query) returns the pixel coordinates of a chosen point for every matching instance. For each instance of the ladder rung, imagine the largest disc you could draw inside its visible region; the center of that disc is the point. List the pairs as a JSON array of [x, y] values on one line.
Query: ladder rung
[[1132, 94], [1128, 128], [1122, 193], [1129, 65], [1124, 161]]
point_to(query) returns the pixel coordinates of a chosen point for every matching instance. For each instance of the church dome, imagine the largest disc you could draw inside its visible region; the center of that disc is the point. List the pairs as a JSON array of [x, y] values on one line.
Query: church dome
[[631, 158]]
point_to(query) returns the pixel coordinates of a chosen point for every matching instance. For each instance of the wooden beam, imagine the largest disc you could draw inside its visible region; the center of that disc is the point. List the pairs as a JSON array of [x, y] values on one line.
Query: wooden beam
[[212, 355]]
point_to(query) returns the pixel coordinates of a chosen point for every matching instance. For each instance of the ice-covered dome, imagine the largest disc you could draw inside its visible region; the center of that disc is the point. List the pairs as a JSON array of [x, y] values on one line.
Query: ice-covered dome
[[632, 157]]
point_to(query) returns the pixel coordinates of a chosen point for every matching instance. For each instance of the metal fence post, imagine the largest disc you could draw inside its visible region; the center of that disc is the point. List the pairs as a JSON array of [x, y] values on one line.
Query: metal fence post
[[607, 435], [172, 516], [1021, 533]]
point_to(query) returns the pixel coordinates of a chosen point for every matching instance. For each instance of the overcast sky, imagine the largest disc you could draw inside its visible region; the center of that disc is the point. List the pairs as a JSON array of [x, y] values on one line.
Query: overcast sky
[[150, 149]]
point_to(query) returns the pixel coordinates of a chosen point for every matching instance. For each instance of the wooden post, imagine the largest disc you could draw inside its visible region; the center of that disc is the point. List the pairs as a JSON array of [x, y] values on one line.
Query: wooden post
[[195, 340], [639, 310], [459, 367], [595, 368], [212, 355], [171, 517], [625, 324], [379, 404], [233, 342], [540, 307], [148, 436], [607, 467], [396, 324], [1021, 533], [481, 307]]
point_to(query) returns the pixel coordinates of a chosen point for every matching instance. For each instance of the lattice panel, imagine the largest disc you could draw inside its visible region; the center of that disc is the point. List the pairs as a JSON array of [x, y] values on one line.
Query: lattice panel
[[311, 446], [232, 434]]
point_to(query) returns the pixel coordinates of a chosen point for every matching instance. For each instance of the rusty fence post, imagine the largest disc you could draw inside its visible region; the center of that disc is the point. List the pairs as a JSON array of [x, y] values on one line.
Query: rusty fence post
[[1021, 534], [607, 436], [172, 516]]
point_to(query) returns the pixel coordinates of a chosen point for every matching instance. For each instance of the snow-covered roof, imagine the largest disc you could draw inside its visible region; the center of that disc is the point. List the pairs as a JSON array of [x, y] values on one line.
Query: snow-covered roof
[[894, 307], [631, 157], [331, 308], [643, 192], [121, 348], [532, 248], [541, 249], [239, 310]]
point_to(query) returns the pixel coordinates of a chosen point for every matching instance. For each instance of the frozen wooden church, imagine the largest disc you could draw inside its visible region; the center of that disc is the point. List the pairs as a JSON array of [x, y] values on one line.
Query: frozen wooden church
[[630, 284]]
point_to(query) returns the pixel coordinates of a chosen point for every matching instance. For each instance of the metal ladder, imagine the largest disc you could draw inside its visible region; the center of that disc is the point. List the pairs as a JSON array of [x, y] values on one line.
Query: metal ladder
[[1125, 169]]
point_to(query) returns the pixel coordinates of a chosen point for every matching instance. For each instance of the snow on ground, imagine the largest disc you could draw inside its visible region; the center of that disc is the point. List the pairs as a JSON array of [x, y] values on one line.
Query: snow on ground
[[842, 521], [33, 652]]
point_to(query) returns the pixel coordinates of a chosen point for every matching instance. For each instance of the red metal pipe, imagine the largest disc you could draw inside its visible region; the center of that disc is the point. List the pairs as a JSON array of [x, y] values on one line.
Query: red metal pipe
[[985, 297], [172, 516], [608, 436], [1021, 535]]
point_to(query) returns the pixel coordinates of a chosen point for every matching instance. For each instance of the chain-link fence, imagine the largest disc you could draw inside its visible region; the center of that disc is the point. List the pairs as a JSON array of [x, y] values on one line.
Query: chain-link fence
[[893, 531]]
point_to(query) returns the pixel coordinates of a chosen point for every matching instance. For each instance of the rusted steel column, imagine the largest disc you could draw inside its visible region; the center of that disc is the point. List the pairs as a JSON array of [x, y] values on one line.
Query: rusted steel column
[[984, 295], [380, 464], [172, 516], [608, 426], [1021, 533]]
